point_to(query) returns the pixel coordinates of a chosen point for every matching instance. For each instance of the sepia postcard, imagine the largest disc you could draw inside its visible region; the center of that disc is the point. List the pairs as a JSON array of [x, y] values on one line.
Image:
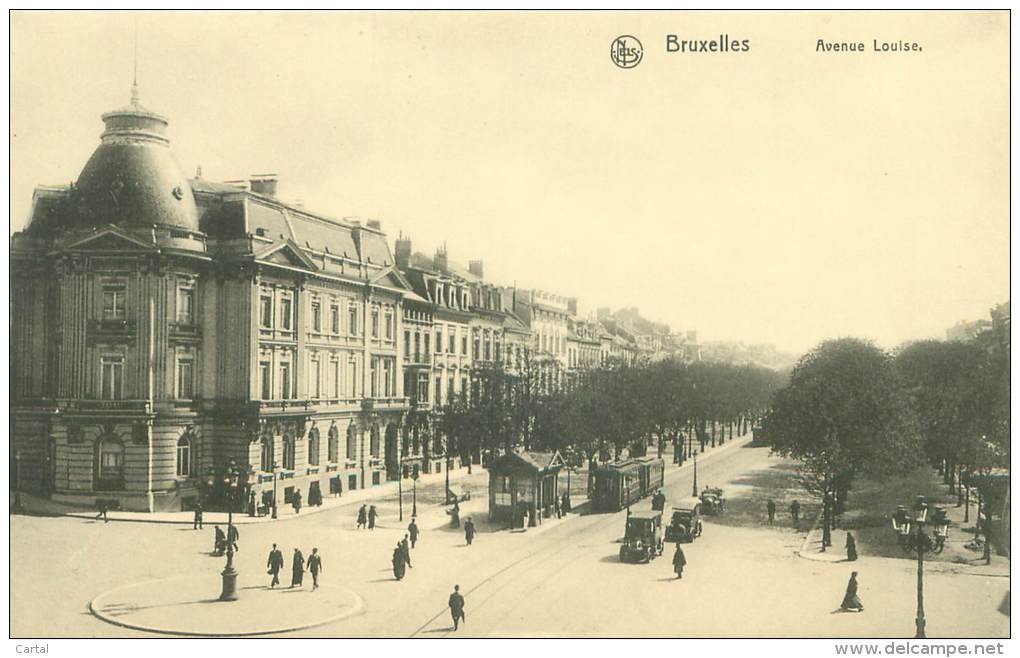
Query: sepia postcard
[[510, 324]]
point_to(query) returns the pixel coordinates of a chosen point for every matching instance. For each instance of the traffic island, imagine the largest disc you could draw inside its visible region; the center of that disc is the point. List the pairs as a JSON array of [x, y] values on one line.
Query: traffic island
[[190, 605]]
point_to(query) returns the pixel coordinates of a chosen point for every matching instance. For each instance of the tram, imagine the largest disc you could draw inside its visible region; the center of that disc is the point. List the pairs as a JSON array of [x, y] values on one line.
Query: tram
[[621, 484]]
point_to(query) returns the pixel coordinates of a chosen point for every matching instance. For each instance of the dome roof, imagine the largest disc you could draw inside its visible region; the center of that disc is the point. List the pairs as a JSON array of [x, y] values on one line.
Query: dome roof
[[132, 178]]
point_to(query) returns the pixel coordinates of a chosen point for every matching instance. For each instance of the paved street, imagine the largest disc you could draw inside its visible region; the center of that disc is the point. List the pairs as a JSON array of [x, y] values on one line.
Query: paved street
[[562, 579]]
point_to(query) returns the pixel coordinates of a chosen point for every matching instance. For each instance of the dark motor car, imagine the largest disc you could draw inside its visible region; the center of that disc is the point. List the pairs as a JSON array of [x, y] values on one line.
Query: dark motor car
[[642, 540]]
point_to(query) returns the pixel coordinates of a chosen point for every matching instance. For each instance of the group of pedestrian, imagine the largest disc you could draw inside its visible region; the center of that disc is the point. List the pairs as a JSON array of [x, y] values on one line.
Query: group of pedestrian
[[770, 509], [298, 565], [222, 539], [366, 517]]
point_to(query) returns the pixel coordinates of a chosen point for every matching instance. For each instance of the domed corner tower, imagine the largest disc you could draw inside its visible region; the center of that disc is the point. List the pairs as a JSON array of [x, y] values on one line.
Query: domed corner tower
[[133, 181], [114, 305]]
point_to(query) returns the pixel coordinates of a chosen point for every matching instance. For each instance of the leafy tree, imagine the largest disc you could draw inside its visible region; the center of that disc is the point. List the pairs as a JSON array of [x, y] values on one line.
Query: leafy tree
[[844, 413]]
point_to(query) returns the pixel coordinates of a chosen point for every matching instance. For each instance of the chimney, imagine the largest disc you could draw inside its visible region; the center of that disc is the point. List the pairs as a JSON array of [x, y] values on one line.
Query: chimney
[[572, 305], [441, 261], [402, 252], [263, 184], [374, 224], [476, 267]]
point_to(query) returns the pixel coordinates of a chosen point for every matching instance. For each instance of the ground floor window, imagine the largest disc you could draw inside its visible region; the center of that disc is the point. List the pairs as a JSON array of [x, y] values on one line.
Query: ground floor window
[[288, 452], [110, 463], [334, 445], [266, 459], [184, 455], [313, 448]]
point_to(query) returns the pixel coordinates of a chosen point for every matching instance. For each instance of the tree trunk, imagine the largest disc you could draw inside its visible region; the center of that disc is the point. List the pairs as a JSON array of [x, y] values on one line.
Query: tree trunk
[[713, 433]]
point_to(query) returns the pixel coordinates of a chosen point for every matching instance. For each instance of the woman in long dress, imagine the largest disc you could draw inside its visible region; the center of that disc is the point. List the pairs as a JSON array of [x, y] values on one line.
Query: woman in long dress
[[298, 571], [850, 600], [399, 563], [851, 548]]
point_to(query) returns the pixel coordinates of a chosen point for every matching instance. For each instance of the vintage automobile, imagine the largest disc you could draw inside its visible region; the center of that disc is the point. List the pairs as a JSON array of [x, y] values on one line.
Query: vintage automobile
[[685, 526], [712, 501], [642, 539]]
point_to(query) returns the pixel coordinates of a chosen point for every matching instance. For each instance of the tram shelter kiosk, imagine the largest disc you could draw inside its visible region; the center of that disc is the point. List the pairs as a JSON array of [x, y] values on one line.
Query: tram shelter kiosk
[[523, 486]]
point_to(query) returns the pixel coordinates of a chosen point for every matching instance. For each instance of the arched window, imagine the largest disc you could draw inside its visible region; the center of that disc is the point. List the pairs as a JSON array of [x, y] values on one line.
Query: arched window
[[374, 442], [110, 464], [334, 445], [351, 438], [267, 453], [313, 447], [185, 466], [288, 451]]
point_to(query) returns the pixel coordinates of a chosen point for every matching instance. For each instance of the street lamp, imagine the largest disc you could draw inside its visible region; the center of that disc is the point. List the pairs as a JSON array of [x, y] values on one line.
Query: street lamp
[[414, 491], [230, 480], [273, 511], [912, 538]]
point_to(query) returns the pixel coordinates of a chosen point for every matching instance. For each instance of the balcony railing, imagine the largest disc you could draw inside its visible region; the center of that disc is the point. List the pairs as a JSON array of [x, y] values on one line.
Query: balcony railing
[[116, 327], [141, 406], [418, 359]]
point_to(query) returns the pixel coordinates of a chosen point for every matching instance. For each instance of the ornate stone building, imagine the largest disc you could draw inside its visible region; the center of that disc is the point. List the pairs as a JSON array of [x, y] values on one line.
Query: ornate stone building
[[163, 327]]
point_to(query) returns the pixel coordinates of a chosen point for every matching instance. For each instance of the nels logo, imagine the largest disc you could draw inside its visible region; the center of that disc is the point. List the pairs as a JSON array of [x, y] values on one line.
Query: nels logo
[[626, 51]]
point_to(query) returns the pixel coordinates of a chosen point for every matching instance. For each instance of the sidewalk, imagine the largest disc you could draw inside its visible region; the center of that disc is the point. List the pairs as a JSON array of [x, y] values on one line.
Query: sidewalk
[[33, 505]]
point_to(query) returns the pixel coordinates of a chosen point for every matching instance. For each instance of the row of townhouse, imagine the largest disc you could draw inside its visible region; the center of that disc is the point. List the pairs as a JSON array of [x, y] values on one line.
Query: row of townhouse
[[165, 327]]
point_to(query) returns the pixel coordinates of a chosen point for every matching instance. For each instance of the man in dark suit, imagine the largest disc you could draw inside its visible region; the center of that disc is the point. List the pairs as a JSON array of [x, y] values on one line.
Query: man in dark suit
[[314, 567], [198, 515], [412, 530], [456, 606], [275, 563], [232, 536]]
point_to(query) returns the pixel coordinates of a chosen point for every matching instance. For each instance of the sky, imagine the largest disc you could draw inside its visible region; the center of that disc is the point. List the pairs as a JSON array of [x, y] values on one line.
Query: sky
[[782, 195]]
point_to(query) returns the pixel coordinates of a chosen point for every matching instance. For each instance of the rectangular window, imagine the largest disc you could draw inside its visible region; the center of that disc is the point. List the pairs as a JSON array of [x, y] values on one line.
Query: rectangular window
[[334, 318], [114, 297], [316, 374], [266, 312], [111, 373], [316, 317], [407, 344], [439, 340], [266, 380], [286, 313], [488, 347], [463, 345], [185, 378], [476, 342], [352, 384], [450, 394], [389, 325], [352, 319], [285, 381], [334, 378], [186, 305], [417, 347], [375, 323], [387, 378], [372, 377], [428, 337], [439, 390], [451, 344], [423, 387]]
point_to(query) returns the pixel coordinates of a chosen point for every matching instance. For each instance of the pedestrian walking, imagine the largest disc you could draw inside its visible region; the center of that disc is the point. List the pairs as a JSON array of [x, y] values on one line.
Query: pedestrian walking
[[219, 541], [851, 548], [456, 604], [770, 507], [679, 562], [197, 525], [565, 503], [296, 502], [232, 536], [795, 511], [297, 569], [850, 600], [371, 517], [412, 531], [252, 506], [314, 567], [469, 530], [274, 564], [103, 508], [362, 517], [404, 546], [455, 515], [398, 562]]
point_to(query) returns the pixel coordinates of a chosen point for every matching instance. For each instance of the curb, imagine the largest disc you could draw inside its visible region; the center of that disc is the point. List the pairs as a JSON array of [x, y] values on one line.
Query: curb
[[93, 605]]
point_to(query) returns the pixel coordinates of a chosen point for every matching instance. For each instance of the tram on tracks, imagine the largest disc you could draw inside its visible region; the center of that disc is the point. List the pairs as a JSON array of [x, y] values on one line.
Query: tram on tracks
[[621, 484]]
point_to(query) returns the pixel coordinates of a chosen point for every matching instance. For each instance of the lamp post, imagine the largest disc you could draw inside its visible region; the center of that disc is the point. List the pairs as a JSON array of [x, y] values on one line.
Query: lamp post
[[917, 541], [414, 491], [694, 487], [272, 512], [229, 574]]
